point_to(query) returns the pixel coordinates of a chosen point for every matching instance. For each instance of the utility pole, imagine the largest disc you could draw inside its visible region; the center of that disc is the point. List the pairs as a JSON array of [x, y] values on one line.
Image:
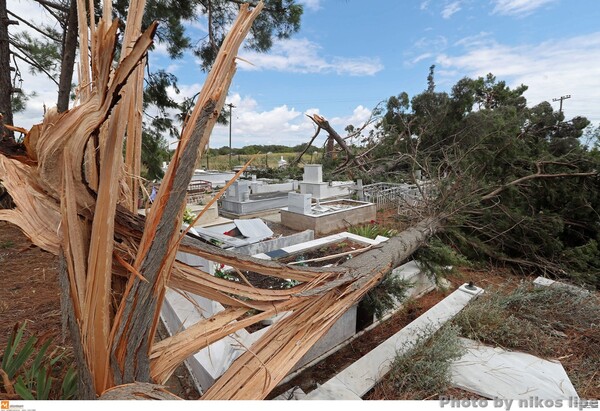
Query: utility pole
[[561, 101], [231, 106]]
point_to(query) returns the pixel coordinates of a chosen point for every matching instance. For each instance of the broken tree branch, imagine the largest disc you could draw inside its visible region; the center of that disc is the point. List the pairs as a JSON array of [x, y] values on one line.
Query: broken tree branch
[[538, 175]]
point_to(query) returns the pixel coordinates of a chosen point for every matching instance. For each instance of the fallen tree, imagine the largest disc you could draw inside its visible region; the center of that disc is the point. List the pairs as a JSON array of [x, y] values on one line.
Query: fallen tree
[[73, 198]]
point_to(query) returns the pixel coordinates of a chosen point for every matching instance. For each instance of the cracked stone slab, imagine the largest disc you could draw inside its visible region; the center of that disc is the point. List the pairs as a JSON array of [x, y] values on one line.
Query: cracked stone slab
[[496, 373]]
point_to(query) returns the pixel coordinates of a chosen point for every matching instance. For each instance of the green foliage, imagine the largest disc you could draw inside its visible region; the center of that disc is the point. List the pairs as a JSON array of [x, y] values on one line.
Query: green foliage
[[481, 139], [584, 261], [36, 376], [372, 230], [19, 100], [386, 296], [188, 216], [279, 19], [154, 151], [436, 256], [423, 368], [44, 52], [225, 275], [281, 174]]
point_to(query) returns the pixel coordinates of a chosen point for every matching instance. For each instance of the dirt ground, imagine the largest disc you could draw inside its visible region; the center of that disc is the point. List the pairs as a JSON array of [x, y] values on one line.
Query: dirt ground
[[29, 290]]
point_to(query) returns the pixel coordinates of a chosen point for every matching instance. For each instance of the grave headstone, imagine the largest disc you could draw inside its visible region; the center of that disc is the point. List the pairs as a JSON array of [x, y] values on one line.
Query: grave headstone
[[299, 203], [360, 190], [239, 191], [313, 173]]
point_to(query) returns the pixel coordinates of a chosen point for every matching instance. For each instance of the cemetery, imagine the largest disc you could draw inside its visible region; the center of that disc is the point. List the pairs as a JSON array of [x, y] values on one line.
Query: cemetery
[[128, 280]]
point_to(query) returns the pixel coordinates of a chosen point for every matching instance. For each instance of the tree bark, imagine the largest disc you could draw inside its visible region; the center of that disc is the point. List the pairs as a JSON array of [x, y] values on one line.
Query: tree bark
[[85, 382], [68, 59], [5, 81], [141, 303]]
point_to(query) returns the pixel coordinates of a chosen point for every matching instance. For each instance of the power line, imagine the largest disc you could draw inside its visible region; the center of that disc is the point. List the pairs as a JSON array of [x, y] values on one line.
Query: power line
[[231, 106]]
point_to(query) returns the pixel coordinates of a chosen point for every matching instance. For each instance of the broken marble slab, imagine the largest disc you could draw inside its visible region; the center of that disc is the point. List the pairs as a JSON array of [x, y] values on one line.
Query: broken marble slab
[[497, 373]]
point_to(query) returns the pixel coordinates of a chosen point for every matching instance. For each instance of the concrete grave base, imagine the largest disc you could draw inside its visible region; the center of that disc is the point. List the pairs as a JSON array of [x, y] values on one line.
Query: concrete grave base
[[329, 222]]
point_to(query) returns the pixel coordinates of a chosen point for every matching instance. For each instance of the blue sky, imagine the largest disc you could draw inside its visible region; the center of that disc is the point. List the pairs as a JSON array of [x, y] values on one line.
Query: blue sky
[[350, 54]]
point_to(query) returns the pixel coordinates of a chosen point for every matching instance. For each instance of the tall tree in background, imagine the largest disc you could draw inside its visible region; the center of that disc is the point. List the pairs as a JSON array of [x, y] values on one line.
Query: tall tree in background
[[6, 88], [517, 183], [52, 51]]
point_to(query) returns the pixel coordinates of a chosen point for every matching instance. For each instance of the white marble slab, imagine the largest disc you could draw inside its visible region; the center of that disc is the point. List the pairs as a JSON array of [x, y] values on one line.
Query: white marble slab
[[496, 373]]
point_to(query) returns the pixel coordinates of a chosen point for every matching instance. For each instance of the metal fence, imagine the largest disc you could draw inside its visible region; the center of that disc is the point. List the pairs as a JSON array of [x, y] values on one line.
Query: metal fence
[[402, 196], [385, 195]]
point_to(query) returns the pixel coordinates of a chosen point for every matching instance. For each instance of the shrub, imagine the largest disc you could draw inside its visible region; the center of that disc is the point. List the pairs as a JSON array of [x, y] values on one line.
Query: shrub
[[424, 369], [372, 230], [36, 376]]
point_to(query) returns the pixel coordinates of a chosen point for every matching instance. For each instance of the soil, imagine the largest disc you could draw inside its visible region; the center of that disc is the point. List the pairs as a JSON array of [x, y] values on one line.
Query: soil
[[30, 292], [29, 289], [343, 246], [267, 282]]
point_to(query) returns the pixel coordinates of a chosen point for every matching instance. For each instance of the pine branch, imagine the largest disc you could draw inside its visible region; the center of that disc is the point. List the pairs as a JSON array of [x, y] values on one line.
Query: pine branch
[[31, 61], [50, 36], [55, 6], [534, 176]]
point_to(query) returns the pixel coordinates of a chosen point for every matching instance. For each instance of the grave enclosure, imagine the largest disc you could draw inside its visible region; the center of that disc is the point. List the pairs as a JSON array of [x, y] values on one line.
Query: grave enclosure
[[319, 209]]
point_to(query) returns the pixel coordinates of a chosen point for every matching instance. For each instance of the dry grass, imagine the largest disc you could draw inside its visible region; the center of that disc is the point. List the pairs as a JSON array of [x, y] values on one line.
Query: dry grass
[[221, 162], [553, 323], [422, 372]]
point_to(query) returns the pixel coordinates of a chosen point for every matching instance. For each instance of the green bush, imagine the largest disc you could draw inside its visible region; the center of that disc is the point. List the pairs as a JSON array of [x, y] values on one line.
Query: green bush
[[372, 230], [436, 257], [32, 372], [386, 295]]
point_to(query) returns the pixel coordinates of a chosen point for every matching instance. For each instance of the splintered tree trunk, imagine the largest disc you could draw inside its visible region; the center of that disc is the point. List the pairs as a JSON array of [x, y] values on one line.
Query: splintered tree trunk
[[135, 331], [271, 358], [73, 199]]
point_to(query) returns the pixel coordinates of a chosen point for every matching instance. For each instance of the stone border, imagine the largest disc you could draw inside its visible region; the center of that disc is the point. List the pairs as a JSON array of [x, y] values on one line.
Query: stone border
[[361, 376]]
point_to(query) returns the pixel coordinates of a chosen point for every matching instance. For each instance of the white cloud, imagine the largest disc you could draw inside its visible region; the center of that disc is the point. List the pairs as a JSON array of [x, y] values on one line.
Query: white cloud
[[277, 125], [312, 5], [450, 9], [252, 125], [421, 57], [518, 7], [436, 43], [424, 4], [481, 39], [550, 69], [358, 117], [304, 56], [46, 93]]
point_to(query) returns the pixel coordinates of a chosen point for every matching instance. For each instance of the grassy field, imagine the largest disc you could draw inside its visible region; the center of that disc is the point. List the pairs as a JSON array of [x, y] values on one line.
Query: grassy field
[[221, 162]]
